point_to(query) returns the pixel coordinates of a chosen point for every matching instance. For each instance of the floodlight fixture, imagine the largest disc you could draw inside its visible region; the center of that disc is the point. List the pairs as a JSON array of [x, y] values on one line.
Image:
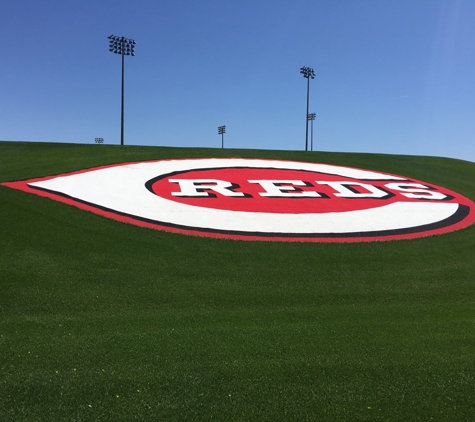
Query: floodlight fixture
[[311, 117], [124, 47], [307, 73], [121, 45], [222, 131]]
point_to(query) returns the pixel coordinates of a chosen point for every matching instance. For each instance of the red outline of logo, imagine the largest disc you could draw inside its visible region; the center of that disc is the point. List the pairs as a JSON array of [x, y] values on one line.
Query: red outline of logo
[[463, 217]]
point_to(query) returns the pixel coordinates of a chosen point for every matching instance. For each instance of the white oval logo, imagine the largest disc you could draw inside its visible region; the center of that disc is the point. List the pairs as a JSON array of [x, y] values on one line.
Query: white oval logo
[[261, 199]]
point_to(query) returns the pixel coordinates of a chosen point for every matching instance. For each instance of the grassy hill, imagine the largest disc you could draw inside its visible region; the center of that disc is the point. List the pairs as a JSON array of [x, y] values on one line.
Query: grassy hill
[[103, 321]]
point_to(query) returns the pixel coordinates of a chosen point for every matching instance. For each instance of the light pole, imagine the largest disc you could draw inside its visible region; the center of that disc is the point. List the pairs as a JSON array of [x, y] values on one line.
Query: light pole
[[124, 47], [222, 131], [307, 73], [311, 117]]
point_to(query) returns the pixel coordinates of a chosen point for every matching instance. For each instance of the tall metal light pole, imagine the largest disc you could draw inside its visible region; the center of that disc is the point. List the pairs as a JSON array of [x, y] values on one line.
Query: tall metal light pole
[[124, 47], [311, 117], [307, 73], [222, 131]]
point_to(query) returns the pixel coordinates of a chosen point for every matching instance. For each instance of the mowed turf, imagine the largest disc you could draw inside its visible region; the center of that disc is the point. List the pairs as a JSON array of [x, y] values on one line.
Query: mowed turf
[[104, 321]]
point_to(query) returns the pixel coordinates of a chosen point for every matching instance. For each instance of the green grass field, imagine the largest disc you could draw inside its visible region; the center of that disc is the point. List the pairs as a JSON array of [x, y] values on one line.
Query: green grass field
[[104, 321]]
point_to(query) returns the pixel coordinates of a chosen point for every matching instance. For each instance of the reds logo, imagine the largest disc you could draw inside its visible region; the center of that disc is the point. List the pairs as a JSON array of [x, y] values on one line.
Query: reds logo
[[258, 199]]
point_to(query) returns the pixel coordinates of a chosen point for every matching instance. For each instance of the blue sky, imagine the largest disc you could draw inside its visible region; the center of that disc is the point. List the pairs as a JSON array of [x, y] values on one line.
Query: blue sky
[[392, 76]]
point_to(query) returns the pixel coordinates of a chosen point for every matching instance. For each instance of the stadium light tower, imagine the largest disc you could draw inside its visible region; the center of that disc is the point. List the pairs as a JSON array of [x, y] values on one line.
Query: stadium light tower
[[124, 47], [311, 117], [307, 73], [222, 131]]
